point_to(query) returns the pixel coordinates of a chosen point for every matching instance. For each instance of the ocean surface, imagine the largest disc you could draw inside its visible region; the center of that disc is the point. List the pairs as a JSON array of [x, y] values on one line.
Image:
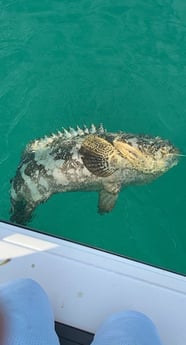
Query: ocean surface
[[66, 63]]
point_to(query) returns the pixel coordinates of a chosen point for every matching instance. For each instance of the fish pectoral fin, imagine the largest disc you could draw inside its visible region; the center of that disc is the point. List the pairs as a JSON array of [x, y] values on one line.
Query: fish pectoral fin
[[107, 201], [97, 156]]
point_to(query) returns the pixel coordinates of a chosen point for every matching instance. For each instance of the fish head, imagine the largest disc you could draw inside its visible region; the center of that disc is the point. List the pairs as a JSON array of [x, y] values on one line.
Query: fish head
[[148, 155]]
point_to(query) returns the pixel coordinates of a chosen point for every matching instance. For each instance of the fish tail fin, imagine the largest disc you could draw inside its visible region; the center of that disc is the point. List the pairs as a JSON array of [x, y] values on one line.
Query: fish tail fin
[[21, 211]]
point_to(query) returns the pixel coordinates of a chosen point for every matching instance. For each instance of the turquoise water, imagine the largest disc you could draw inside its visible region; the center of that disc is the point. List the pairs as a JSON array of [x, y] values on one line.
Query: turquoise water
[[64, 63]]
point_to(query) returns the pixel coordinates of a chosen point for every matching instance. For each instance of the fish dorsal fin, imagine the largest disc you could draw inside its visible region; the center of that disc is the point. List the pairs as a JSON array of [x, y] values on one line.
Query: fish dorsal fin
[[71, 133], [98, 156], [64, 135]]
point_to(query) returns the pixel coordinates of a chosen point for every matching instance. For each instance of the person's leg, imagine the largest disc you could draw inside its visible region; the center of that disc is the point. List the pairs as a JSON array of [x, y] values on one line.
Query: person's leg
[[127, 328], [28, 315]]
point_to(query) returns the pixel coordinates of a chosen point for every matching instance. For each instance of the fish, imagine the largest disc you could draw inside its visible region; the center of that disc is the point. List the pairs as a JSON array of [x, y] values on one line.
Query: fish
[[86, 159]]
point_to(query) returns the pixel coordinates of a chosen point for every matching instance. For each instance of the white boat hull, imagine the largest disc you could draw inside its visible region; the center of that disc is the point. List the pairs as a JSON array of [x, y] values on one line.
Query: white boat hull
[[86, 285]]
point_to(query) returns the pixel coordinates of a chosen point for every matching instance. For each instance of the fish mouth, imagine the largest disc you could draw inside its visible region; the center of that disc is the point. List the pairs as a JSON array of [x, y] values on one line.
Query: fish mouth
[[175, 151], [173, 157]]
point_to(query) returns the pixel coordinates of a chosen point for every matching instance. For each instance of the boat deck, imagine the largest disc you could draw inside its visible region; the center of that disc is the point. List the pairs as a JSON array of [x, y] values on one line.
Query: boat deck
[[72, 336], [85, 285]]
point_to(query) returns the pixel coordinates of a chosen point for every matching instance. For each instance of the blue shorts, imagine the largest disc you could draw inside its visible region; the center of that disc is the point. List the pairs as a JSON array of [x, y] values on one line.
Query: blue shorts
[[29, 320], [127, 328]]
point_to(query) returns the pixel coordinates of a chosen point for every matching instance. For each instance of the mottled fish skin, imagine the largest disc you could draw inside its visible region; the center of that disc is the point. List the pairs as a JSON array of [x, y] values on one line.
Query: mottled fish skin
[[88, 159]]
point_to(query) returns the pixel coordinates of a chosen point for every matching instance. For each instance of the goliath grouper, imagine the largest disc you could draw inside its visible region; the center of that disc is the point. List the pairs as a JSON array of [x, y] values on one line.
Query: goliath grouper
[[88, 159]]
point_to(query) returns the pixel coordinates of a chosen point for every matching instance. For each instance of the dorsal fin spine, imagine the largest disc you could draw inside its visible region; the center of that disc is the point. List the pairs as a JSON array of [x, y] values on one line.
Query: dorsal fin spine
[[71, 132], [92, 129], [66, 133]]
